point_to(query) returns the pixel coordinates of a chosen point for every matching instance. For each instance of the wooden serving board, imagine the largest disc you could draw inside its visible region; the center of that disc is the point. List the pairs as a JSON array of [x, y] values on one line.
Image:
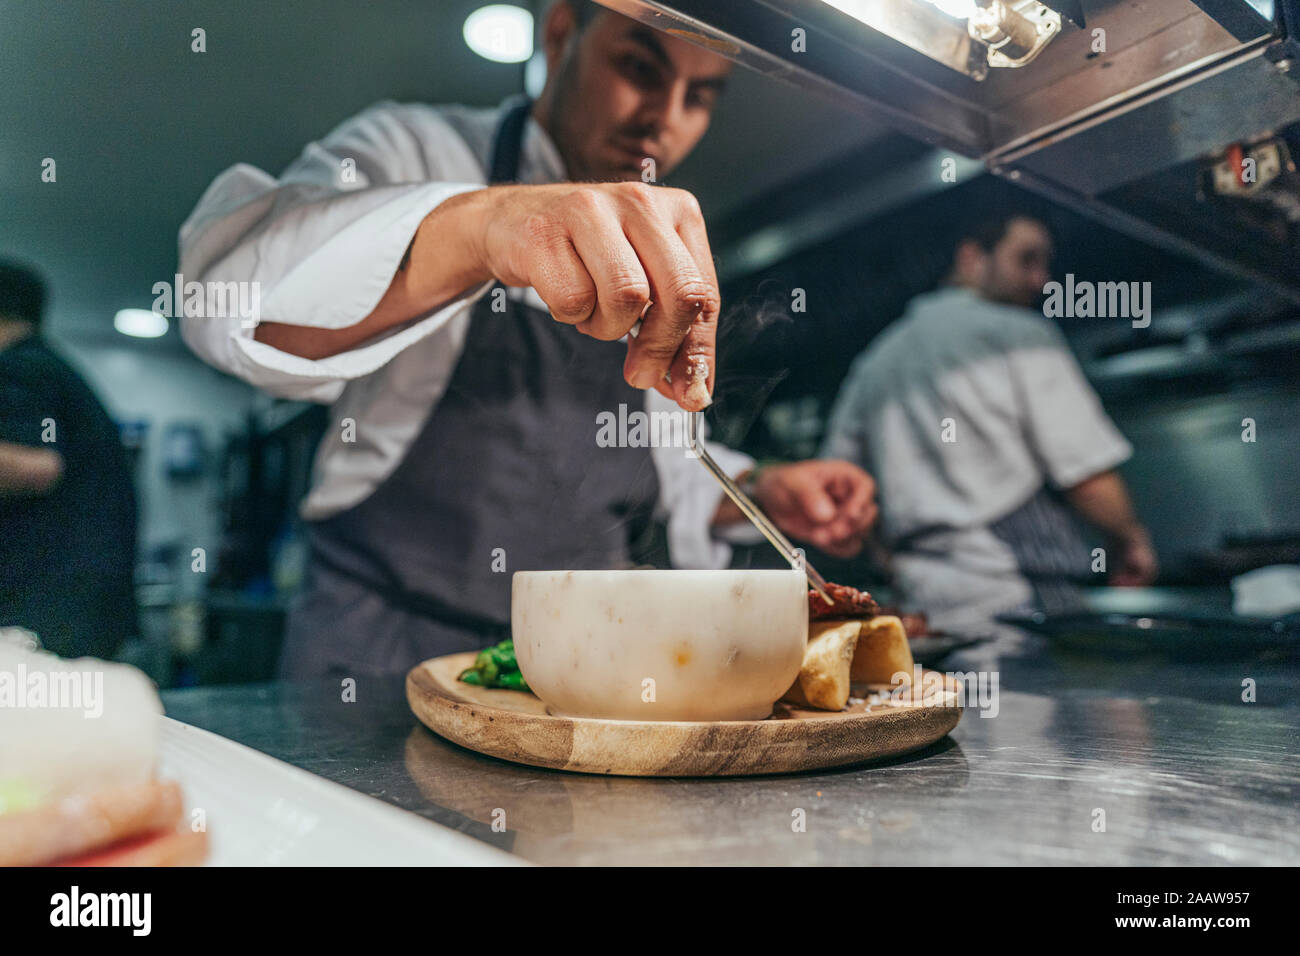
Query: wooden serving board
[[516, 726]]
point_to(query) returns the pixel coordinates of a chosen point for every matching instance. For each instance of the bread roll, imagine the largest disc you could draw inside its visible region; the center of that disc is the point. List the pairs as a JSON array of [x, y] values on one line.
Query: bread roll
[[823, 680], [882, 651]]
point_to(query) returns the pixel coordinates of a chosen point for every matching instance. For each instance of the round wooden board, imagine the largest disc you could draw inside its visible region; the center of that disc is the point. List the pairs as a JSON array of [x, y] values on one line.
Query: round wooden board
[[515, 726]]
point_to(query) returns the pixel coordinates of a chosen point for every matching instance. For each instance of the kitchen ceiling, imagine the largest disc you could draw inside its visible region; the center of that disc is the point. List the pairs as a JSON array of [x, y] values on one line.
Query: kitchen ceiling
[[138, 125]]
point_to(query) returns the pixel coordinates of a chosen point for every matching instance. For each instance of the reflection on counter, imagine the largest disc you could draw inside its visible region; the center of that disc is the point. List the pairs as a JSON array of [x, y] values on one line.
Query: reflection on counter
[[1180, 781]]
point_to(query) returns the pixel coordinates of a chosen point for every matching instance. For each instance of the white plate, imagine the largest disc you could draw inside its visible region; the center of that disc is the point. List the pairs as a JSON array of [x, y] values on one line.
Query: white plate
[[263, 812]]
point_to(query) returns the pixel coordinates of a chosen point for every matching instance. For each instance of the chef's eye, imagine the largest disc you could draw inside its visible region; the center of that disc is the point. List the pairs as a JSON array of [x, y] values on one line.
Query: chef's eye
[[641, 72], [702, 98]]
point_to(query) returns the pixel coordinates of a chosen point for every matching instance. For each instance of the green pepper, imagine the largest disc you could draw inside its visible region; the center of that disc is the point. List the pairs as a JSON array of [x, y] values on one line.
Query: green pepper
[[496, 666], [512, 681], [486, 666]]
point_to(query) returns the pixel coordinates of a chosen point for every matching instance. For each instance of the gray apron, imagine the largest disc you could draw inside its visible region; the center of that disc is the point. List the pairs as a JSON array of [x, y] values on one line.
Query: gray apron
[[505, 476]]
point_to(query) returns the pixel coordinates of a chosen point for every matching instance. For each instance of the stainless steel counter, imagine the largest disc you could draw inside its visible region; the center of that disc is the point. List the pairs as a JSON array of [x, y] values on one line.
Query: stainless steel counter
[[1181, 780]]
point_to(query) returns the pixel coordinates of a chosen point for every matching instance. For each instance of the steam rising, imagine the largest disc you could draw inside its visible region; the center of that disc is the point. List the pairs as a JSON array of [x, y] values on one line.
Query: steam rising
[[749, 333]]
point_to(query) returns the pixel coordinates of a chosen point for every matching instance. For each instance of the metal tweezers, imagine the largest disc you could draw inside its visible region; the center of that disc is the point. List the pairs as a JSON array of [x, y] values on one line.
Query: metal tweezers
[[750, 510]]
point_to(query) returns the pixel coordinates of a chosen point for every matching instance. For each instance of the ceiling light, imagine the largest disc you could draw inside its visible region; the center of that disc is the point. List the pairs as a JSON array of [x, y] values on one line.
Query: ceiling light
[[140, 323], [967, 35], [500, 32], [961, 9]]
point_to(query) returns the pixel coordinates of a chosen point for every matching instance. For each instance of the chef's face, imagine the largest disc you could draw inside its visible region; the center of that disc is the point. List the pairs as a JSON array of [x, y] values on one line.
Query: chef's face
[[1017, 268], [621, 93]]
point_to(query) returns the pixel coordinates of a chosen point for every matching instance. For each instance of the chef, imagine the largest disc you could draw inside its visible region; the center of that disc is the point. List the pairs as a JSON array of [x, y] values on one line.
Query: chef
[[469, 340], [988, 443]]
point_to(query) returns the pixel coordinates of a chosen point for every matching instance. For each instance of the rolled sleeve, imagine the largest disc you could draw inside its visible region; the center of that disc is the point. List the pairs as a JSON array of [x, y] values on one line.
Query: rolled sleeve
[[1068, 431], [319, 249]]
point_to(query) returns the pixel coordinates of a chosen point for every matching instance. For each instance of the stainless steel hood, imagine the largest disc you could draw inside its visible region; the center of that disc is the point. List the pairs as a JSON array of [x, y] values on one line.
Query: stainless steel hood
[[1122, 113]]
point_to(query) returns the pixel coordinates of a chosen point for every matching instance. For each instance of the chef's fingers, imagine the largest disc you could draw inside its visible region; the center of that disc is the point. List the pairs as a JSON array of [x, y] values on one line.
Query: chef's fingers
[[663, 387], [694, 364], [855, 490], [845, 547], [841, 480], [681, 294], [848, 524], [696, 361], [816, 504], [840, 533], [828, 535], [557, 272], [622, 289]]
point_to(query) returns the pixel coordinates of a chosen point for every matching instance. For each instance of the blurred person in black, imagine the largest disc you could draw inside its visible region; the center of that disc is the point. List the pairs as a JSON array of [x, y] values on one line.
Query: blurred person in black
[[67, 504]]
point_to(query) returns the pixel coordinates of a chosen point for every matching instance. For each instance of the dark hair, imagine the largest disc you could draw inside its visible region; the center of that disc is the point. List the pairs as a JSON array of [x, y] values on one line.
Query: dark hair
[[584, 11], [22, 292], [987, 231]]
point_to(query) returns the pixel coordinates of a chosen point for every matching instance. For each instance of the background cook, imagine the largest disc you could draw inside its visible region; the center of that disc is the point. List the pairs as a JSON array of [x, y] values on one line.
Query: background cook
[[988, 442]]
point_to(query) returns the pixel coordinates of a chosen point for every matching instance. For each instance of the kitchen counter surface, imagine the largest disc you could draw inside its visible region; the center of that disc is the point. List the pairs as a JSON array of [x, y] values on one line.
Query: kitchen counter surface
[[1164, 766]]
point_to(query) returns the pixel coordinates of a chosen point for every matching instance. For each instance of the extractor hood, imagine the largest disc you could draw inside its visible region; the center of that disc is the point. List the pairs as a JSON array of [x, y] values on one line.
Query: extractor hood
[[1173, 120]]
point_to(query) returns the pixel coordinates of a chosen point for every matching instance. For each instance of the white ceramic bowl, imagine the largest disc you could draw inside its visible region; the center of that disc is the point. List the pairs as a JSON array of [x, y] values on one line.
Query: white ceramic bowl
[[660, 645]]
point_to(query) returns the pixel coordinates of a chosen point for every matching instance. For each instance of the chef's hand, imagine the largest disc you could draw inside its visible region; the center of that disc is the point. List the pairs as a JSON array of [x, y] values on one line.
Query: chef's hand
[[1137, 565], [828, 503], [597, 254]]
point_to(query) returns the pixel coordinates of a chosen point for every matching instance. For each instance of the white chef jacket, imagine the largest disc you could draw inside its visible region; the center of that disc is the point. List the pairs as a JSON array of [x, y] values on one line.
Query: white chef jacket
[[324, 240], [962, 410]]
